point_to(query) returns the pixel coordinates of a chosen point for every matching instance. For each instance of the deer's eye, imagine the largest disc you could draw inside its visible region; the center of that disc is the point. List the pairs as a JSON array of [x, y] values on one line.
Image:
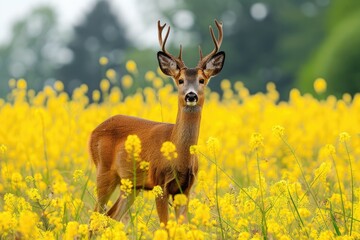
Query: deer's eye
[[201, 81], [181, 81]]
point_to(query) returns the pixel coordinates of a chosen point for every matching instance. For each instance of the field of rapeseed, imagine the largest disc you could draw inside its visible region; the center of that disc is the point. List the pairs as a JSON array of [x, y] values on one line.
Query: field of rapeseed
[[268, 169]]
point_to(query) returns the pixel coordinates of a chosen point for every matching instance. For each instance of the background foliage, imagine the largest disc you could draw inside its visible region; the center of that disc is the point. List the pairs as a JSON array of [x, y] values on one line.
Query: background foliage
[[337, 58], [287, 42]]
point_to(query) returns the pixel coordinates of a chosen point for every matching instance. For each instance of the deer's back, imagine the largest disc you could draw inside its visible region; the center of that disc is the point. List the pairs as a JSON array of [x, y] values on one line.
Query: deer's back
[[112, 134]]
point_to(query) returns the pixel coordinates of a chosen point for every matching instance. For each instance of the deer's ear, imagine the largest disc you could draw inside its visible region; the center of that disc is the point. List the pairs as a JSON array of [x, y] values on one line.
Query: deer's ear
[[214, 65], [167, 65]]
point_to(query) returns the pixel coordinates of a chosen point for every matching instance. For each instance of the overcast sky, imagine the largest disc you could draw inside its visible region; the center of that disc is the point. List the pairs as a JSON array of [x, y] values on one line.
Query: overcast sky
[[70, 12]]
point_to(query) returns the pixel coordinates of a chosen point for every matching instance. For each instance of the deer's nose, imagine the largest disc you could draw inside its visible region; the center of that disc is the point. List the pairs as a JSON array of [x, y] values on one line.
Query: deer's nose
[[191, 99]]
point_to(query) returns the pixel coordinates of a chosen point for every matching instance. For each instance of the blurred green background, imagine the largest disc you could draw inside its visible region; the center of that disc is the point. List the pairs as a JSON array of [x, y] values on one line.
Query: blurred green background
[[288, 42]]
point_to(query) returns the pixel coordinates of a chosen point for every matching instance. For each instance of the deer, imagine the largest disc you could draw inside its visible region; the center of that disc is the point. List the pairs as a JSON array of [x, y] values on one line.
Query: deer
[[107, 140]]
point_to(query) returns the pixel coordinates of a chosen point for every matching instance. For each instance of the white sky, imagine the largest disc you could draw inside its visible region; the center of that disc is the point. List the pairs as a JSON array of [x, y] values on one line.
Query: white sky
[[70, 13]]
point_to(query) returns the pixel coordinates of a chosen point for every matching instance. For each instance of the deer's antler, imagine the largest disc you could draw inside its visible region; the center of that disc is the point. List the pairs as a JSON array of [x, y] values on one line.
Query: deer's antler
[[217, 43], [162, 43]]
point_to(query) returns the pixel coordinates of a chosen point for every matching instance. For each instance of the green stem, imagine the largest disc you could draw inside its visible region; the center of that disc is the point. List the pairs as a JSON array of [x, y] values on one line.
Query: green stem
[[297, 212], [262, 209], [217, 196], [177, 180], [306, 182], [341, 194], [45, 148], [352, 189], [134, 223], [77, 216], [232, 179]]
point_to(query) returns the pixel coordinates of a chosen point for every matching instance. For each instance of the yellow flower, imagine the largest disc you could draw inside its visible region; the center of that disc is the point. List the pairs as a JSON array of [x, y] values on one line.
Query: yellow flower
[[59, 86], [202, 215], [244, 236], [111, 74], [304, 212], [104, 85], [278, 188], [84, 88], [56, 222], [180, 233], [27, 224], [114, 231], [71, 231], [98, 222], [127, 81], [3, 149], [347, 98], [144, 165], [160, 234], [131, 66], [21, 84], [278, 130], [168, 149], [194, 149], [78, 175], [34, 194], [244, 93], [213, 144], [195, 234], [12, 83], [330, 149], [29, 179], [344, 137], [16, 180], [7, 223], [320, 85], [15, 204], [157, 82], [126, 187], [180, 200], [84, 231], [60, 187], [103, 61], [38, 177], [96, 95], [133, 147], [322, 172], [256, 142], [326, 234], [115, 95], [157, 191], [225, 84], [49, 92], [149, 76]]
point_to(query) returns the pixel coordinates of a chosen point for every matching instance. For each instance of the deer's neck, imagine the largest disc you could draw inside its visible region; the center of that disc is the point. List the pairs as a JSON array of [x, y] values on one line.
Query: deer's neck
[[185, 133]]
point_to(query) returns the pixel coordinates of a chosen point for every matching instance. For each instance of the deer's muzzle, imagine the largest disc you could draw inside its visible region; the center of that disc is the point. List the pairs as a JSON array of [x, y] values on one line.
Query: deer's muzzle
[[191, 99]]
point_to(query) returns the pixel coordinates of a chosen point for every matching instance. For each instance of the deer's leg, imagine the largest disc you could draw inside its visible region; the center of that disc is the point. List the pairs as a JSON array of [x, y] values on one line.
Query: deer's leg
[[162, 206], [106, 182], [111, 211], [122, 206], [106, 178], [183, 210]]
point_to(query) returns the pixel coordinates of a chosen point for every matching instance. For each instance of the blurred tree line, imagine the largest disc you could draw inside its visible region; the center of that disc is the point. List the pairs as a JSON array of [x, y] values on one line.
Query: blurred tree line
[[337, 57], [288, 42]]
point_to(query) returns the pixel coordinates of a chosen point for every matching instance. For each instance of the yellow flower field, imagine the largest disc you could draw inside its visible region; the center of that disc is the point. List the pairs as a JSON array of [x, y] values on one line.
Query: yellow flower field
[[268, 169]]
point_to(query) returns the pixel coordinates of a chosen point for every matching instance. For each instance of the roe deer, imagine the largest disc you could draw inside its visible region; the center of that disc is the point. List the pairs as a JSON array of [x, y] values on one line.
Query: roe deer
[[108, 139]]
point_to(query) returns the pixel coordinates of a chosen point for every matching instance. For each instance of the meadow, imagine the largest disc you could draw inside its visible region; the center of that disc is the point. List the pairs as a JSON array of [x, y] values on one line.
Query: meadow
[[269, 169]]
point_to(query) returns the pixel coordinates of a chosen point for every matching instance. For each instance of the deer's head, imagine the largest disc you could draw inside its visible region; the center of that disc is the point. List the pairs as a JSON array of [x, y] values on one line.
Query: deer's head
[[191, 82]]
